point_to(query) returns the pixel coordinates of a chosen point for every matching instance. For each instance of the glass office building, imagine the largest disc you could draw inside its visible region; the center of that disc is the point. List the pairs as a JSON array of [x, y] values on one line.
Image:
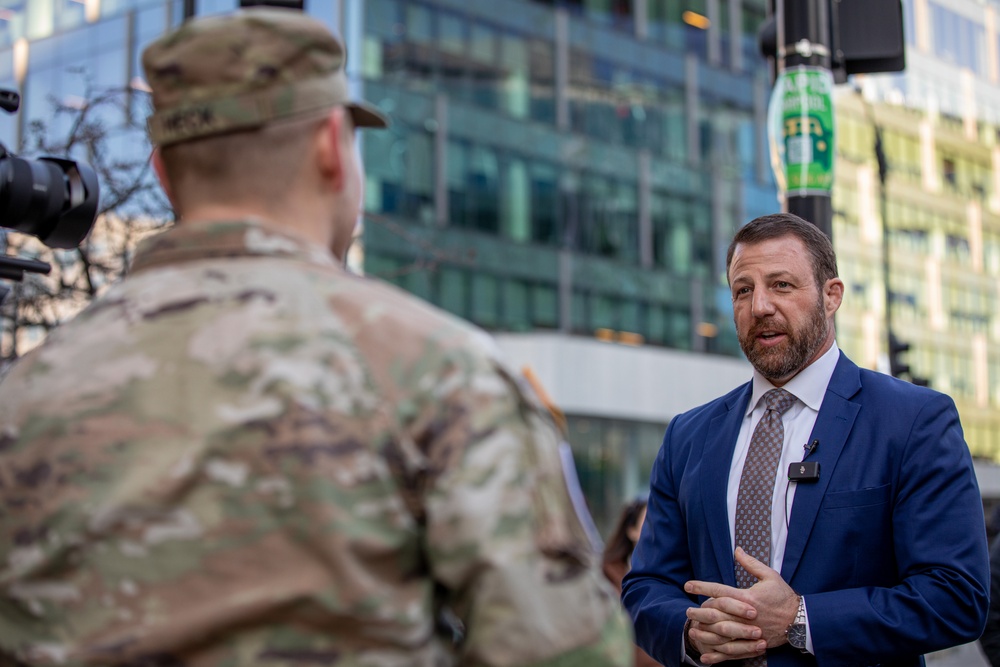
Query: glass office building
[[566, 174], [549, 169], [943, 222], [940, 121]]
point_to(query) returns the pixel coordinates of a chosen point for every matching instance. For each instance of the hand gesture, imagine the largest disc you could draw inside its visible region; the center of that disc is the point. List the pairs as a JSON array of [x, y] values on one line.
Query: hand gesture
[[740, 622]]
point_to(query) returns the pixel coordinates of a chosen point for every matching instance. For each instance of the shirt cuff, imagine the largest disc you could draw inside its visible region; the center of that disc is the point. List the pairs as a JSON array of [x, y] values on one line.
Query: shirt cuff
[[686, 657], [809, 641]]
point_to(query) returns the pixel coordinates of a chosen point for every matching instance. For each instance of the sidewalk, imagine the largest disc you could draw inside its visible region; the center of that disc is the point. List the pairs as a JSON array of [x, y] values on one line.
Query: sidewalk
[[966, 655]]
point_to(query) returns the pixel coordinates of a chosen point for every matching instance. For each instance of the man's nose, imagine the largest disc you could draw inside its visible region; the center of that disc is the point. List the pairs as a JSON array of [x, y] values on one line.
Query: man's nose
[[762, 304]]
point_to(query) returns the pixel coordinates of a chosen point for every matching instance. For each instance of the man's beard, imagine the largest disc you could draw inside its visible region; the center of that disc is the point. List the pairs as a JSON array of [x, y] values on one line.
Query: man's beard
[[784, 361]]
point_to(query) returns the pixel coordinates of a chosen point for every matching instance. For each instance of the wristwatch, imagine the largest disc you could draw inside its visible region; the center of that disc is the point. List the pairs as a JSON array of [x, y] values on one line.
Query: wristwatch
[[796, 632]]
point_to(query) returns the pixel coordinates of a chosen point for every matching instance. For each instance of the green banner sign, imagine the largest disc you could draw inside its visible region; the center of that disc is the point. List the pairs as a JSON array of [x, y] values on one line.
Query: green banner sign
[[800, 120]]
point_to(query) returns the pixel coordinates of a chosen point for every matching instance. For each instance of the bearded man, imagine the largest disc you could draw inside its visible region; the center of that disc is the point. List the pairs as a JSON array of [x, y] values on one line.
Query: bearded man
[[820, 514]]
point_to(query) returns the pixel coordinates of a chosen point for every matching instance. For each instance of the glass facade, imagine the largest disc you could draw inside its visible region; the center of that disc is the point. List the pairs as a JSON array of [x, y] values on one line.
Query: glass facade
[[549, 168], [958, 40], [953, 59], [614, 459]]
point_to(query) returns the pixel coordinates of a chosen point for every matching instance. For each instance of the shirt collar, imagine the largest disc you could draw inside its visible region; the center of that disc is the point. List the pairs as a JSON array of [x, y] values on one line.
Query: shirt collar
[[809, 385], [226, 238]]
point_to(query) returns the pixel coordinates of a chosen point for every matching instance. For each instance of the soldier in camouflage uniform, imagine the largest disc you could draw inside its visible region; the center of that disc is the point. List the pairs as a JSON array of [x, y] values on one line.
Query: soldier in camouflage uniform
[[245, 455]]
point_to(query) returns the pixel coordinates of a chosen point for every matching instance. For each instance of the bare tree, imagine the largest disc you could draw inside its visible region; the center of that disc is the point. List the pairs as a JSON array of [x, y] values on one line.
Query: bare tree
[[100, 129]]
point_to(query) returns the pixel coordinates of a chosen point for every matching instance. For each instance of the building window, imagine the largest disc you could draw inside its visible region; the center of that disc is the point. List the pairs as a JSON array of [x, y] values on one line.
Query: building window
[[614, 459], [608, 215], [948, 171], [485, 300], [957, 40], [516, 306], [453, 291], [400, 179]]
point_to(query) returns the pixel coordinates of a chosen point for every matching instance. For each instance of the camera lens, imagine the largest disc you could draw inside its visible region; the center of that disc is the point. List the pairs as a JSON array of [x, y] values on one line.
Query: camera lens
[[53, 199]]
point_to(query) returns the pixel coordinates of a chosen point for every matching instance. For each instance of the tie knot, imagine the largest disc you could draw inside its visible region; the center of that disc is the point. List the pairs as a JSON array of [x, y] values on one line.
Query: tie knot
[[779, 399]]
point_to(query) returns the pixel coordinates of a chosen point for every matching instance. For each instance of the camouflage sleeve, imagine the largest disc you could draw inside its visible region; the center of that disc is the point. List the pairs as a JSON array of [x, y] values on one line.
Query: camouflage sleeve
[[504, 541]]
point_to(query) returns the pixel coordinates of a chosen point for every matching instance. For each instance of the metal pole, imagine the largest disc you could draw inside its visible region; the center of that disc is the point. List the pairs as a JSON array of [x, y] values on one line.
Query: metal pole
[[883, 171], [803, 39], [892, 344], [189, 9], [883, 198]]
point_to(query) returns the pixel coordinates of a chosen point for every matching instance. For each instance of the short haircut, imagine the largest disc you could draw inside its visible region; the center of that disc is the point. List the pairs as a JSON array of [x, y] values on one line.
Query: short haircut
[[258, 165], [778, 225]]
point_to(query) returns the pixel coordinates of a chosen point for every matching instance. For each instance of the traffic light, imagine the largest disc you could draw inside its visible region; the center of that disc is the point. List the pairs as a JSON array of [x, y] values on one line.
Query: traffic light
[[865, 36], [897, 367]]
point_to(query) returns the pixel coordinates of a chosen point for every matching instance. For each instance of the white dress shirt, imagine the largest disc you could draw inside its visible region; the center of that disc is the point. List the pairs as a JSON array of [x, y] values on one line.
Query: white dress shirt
[[809, 387]]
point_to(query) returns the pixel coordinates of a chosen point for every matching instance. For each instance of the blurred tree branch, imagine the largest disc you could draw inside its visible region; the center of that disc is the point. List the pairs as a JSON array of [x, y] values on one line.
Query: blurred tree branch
[[99, 129]]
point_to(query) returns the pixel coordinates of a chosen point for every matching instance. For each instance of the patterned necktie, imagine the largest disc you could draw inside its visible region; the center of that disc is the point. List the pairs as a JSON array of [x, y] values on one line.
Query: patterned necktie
[[753, 502]]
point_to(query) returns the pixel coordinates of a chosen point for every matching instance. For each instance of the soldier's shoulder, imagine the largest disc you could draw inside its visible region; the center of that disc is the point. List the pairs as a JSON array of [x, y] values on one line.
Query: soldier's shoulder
[[390, 307]]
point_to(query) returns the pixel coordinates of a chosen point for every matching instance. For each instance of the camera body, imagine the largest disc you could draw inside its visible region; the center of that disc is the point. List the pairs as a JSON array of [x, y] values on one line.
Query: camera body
[[53, 199]]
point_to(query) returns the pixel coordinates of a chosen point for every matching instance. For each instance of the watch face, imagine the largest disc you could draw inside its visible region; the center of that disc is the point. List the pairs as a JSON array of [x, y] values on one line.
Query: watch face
[[797, 635]]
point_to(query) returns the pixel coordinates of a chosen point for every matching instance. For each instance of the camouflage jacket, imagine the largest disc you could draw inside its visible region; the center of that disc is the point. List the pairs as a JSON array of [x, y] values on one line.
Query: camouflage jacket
[[245, 455]]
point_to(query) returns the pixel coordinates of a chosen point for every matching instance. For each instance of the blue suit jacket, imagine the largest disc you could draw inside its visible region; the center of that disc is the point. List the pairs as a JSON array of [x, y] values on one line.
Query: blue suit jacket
[[888, 547]]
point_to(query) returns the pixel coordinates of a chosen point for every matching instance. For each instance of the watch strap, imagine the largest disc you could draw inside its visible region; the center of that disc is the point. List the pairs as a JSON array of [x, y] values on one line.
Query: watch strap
[[796, 632]]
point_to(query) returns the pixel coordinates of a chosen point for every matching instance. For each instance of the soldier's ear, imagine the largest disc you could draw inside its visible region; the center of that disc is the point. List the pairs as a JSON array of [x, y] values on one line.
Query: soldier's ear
[[161, 173], [333, 152]]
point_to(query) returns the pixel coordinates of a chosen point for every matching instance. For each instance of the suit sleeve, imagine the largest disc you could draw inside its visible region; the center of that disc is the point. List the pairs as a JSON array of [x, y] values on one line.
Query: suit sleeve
[[937, 535], [653, 591]]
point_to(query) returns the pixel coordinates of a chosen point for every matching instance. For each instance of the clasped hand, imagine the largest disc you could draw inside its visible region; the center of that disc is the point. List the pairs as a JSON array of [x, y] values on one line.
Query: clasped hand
[[738, 623]]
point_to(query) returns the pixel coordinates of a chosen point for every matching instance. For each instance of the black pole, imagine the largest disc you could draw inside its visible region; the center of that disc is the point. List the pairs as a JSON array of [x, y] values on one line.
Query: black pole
[[803, 39], [883, 172], [189, 9], [894, 346], [13, 268]]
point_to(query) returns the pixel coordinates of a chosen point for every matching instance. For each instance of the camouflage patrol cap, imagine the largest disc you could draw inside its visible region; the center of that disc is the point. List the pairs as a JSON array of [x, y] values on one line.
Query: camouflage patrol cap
[[242, 70]]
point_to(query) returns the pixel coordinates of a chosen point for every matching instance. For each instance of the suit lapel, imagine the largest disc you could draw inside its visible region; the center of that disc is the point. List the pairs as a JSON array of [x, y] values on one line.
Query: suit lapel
[[833, 426], [720, 444]]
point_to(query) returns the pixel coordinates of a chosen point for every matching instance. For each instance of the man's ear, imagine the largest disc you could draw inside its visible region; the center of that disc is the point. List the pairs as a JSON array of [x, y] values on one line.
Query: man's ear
[[833, 295], [161, 173], [332, 149]]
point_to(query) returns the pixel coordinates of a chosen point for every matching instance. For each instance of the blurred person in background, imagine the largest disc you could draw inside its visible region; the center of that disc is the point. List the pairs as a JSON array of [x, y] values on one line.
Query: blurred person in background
[[617, 558], [246, 455]]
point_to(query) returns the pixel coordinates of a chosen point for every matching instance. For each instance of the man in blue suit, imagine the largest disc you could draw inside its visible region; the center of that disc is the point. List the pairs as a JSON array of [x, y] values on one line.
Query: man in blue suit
[[873, 555]]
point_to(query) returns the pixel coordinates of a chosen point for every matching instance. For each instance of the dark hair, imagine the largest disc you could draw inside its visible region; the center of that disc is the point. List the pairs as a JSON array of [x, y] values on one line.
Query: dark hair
[[619, 547], [777, 225]]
